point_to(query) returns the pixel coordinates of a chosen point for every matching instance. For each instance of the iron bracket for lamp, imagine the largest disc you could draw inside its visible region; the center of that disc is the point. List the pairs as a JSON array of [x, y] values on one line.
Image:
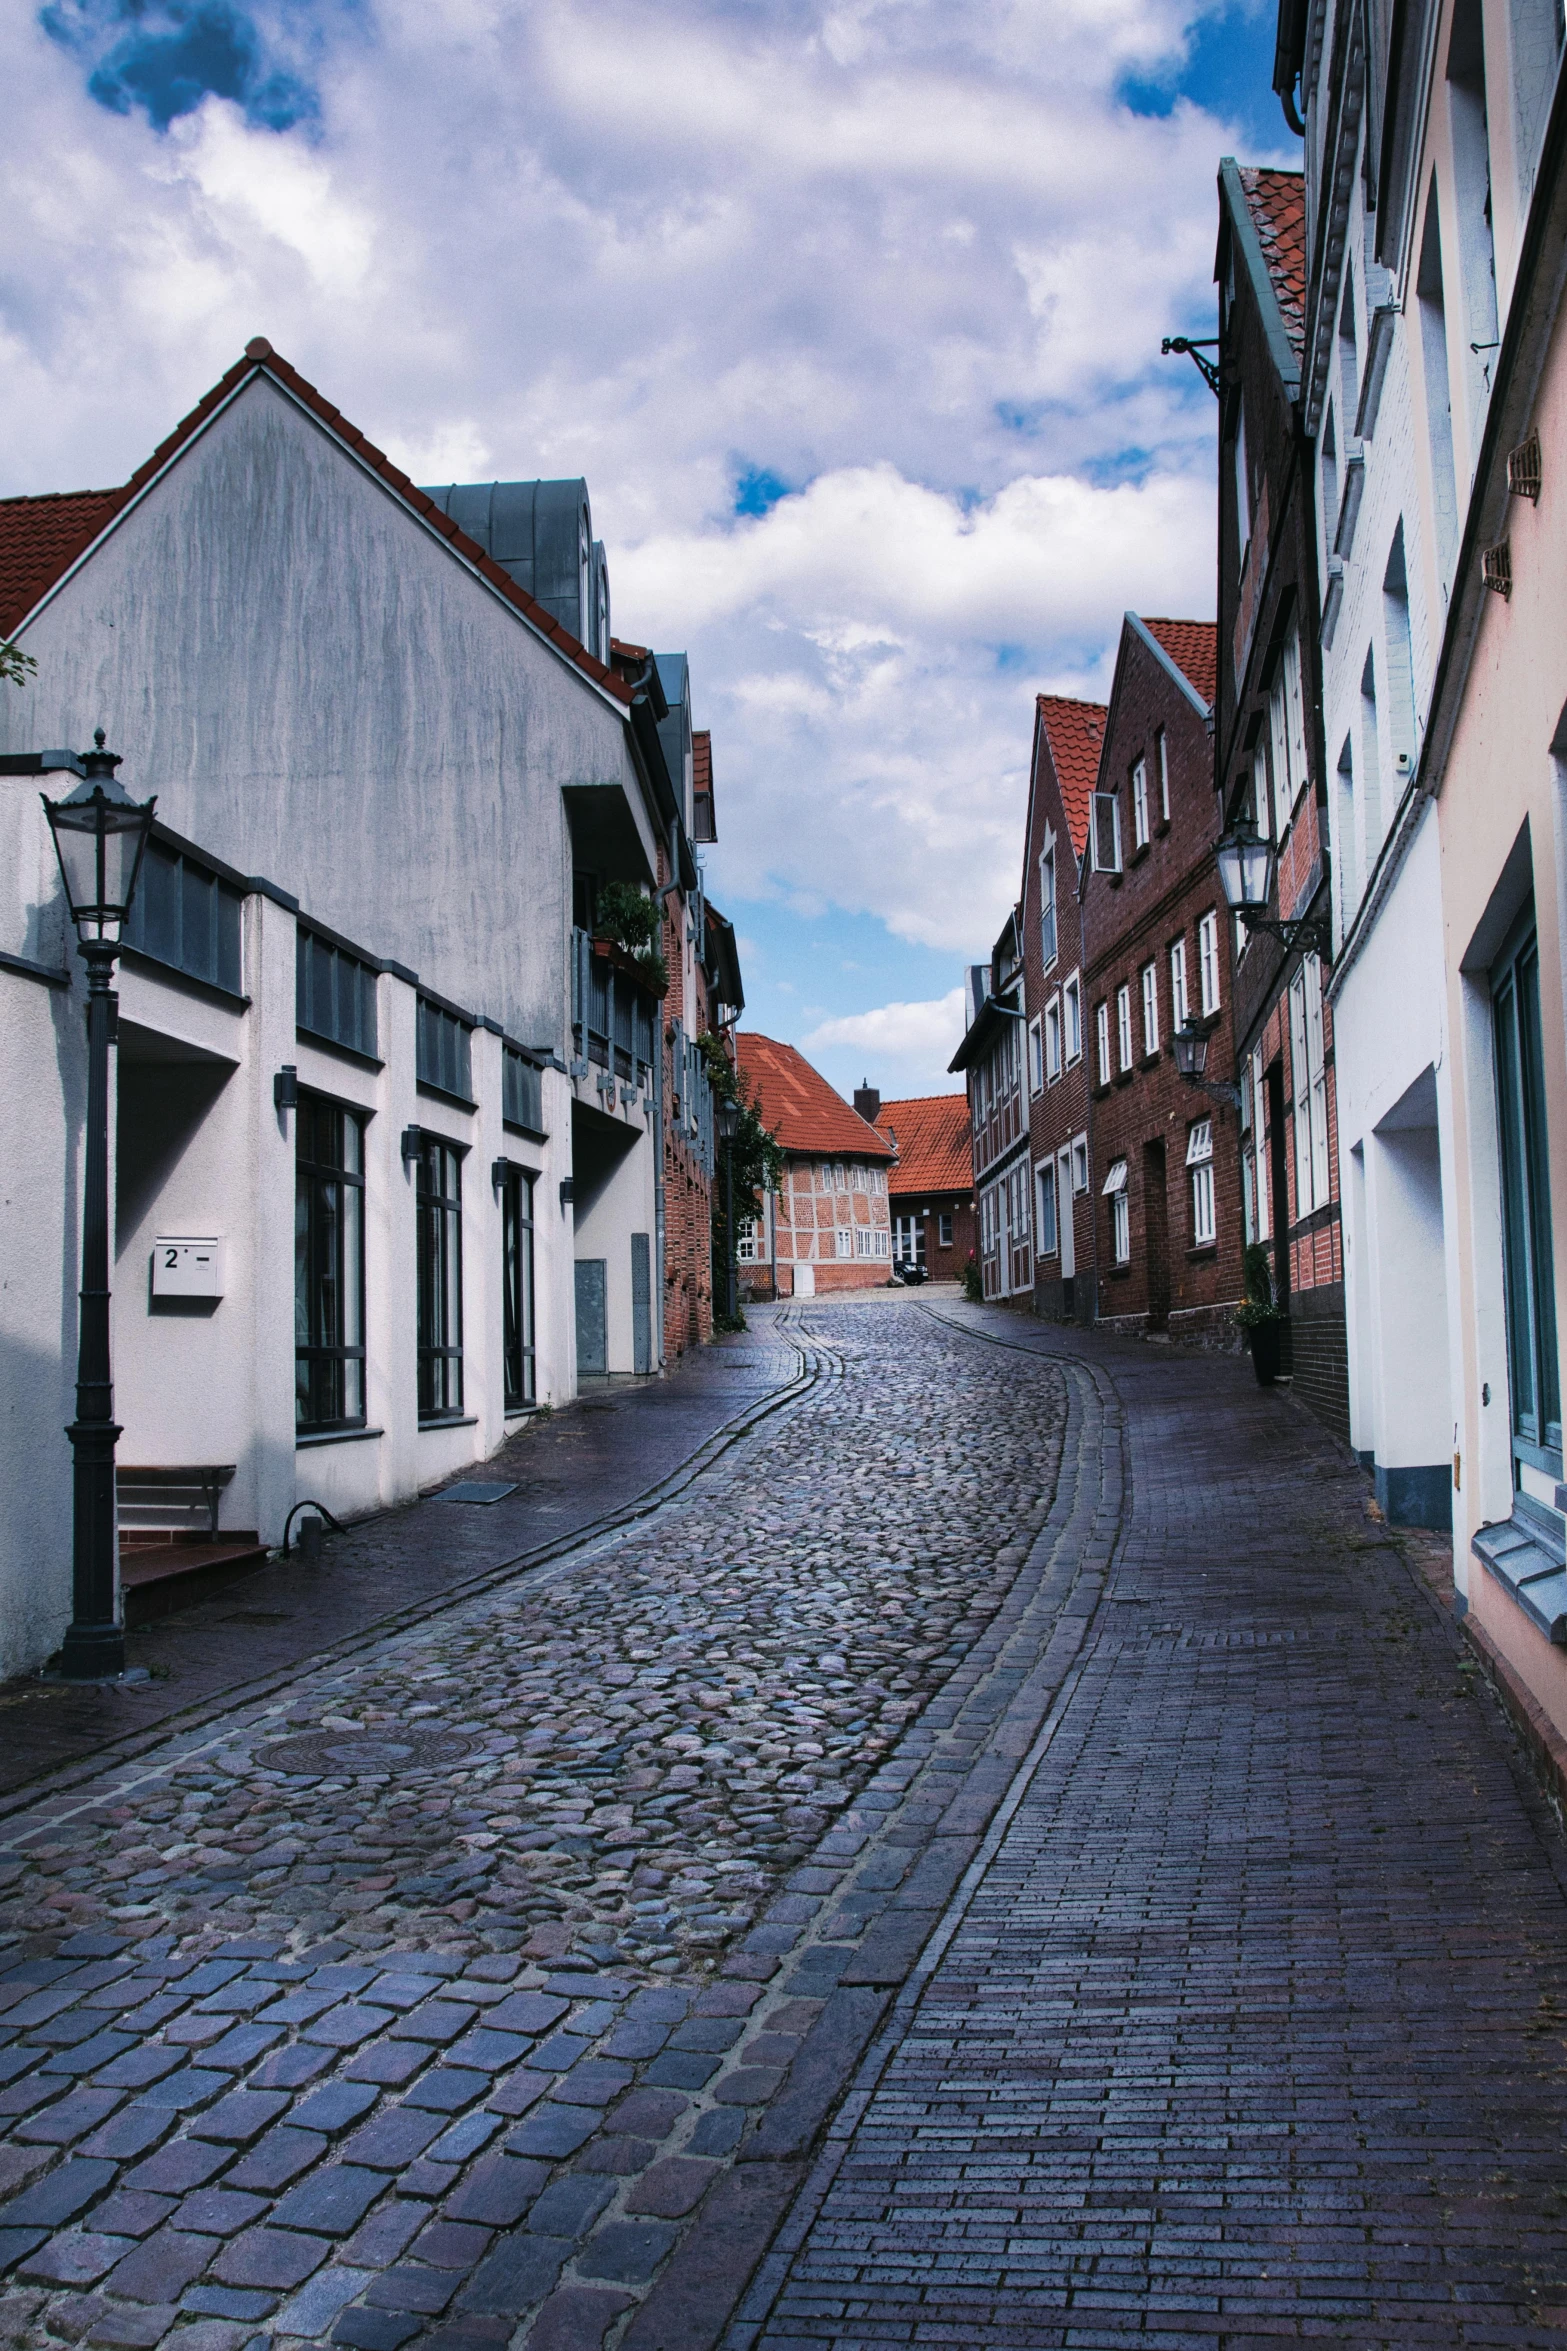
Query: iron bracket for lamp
[[1311, 932], [1221, 1089], [1188, 347]]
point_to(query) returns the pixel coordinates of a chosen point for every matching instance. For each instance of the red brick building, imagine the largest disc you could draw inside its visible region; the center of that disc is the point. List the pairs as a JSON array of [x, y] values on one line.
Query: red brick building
[[1273, 772], [828, 1227], [1157, 940], [930, 1185], [1068, 740], [991, 1059]]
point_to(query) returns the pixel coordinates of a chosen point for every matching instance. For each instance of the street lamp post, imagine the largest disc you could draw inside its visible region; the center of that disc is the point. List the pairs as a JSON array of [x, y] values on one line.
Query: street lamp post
[[1189, 1045], [1247, 865], [99, 836], [728, 1128]]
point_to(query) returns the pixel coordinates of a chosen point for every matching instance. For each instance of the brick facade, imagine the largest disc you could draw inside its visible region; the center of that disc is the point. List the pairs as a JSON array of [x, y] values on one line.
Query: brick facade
[[1165, 1162], [930, 1186], [828, 1226], [1273, 773]]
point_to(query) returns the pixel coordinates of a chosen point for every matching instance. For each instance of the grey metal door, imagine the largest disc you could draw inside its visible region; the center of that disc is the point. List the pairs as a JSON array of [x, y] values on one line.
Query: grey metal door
[[641, 1302], [592, 1332]]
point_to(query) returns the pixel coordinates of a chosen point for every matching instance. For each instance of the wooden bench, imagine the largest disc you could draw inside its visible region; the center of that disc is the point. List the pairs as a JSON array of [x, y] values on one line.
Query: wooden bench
[[156, 1504]]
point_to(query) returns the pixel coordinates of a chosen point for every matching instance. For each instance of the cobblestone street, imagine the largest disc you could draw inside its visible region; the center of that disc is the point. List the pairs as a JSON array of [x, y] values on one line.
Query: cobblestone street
[[1010, 1854]]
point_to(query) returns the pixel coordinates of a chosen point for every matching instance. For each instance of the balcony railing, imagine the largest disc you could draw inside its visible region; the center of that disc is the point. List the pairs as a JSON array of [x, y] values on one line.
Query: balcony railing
[[613, 1020]]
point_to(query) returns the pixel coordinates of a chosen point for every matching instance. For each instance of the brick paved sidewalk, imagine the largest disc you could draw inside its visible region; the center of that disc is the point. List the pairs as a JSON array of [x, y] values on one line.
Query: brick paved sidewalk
[[1253, 2025]]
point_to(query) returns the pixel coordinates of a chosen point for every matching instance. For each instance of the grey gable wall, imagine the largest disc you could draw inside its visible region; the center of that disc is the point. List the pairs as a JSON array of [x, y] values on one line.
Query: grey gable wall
[[319, 692]]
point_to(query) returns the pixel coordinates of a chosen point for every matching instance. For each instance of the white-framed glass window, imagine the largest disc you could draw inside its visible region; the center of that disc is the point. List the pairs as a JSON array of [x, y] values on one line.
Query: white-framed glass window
[[845, 1240], [1140, 804], [1309, 1086], [1287, 734], [1079, 1164], [1199, 1163], [865, 1239], [1105, 831], [1261, 802], [944, 1229], [1123, 1024], [1047, 904], [1072, 1020], [1036, 1056], [748, 1239], [1180, 1003], [1150, 1008], [1053, 1040], [1295, 714], [1120, 1213], [1045, 1187], [1162, 760], [1102, 1041], [1208, 962], [1259, 1141]]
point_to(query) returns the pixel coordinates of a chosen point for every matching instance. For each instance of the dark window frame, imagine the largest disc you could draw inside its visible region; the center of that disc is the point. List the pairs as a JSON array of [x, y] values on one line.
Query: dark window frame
[[334, 994], [187, 917], [321, 1286], [1534, 1398], [518, 1315], [440, 1278]]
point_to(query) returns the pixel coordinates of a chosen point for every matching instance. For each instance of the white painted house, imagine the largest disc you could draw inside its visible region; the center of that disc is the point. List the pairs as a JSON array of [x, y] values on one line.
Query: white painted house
[[365, 1059]]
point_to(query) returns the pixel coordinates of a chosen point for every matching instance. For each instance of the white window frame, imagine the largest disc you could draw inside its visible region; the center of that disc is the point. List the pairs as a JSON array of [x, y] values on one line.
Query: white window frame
[[1139, 803], [1180, 1002], [1072, 1021], [1114, 1190], [1049, 925], [1079, 1165], [1053, 1040], [748, 1239], [1309, 1087], [1046, 1210], [844, 1244], [1162, 750], [1199, 1162], [1150, 1008], [1102, 1040], [1208, 962], [944, 1228], [1036, 1055], [1105, 831], [1123, 1026]]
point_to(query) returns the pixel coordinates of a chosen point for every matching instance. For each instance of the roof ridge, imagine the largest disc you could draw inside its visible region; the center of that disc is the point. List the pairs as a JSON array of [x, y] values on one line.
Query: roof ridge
[[260, 358]]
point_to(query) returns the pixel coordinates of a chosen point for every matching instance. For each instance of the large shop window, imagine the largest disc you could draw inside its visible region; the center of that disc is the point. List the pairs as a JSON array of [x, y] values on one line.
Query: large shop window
[[1526, 1221], [329, 1266], [517, 1287], [440, 1279]]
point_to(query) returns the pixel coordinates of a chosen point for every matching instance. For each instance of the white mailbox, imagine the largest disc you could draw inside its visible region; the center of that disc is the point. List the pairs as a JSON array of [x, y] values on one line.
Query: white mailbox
[[184, 1266]]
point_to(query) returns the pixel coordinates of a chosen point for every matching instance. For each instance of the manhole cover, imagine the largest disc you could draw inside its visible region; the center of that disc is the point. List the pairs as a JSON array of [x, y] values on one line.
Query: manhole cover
[[328, 1754]]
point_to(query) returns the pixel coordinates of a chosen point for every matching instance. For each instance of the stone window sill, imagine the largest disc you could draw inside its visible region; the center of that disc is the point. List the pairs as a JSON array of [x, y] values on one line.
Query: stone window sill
[[1519, 1559]]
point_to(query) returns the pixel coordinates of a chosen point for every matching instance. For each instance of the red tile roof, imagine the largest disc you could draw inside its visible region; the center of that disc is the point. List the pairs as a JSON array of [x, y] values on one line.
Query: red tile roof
[[799, 1106], [1193, 646], [19, 531], [1075, 732], [702, 761], [934, 1140], [1277, 203], [39, 538]]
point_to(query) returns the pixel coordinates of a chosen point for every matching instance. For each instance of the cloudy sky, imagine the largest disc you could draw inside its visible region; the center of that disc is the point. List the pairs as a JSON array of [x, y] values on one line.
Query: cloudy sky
[[850, 314]]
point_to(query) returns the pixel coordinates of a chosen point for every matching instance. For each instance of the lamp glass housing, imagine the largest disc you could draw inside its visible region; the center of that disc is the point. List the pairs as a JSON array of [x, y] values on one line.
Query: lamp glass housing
[[1245, 861], [728, 1120], [1190, 1047], [99, 835]]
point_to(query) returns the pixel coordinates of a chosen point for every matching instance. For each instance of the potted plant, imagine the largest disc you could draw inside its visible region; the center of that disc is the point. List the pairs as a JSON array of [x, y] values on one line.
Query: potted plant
[[1258, 1315], [626, 919]]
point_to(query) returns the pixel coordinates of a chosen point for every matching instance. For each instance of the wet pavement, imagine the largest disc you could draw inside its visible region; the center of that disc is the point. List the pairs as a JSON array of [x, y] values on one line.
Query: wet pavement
[[1009, 1853]]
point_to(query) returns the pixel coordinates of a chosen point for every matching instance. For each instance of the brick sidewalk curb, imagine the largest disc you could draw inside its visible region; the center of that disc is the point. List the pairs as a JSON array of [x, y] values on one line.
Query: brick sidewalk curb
[[817, 1362], [725, 2255]]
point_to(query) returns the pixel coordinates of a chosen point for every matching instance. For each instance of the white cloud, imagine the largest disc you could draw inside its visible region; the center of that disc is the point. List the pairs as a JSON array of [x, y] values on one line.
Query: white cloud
[[897, 1031], [912, 260]]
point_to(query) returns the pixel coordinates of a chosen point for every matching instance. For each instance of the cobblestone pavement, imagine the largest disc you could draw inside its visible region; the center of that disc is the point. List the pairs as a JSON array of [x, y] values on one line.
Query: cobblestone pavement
[[434, 1992], [1250, 2024], [618, 1443]]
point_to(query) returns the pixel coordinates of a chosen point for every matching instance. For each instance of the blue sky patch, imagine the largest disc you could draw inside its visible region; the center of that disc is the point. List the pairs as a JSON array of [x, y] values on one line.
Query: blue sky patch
[[167, 58], [1228, 70], [758, 490]]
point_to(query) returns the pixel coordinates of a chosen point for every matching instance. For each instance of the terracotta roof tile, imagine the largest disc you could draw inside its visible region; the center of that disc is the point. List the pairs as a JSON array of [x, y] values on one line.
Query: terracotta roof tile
[[34, 576], [702, 760], [1075, 732], [1193, 646], [1277, 202], [934, 1140], [39, 538], [799, 1106]]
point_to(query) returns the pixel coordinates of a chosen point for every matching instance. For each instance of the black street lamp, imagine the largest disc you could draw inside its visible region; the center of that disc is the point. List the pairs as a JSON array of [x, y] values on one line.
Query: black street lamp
[[1247, 871], [728, 1114], [1189, 1045], [99, 836]]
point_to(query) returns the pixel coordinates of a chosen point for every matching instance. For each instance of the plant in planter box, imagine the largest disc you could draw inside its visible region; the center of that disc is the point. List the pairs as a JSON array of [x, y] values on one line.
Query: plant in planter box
[[1259, 1315], [628, 920]]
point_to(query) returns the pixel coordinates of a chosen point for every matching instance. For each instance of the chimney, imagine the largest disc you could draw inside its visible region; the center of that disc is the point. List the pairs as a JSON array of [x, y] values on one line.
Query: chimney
[[867, 1101]]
